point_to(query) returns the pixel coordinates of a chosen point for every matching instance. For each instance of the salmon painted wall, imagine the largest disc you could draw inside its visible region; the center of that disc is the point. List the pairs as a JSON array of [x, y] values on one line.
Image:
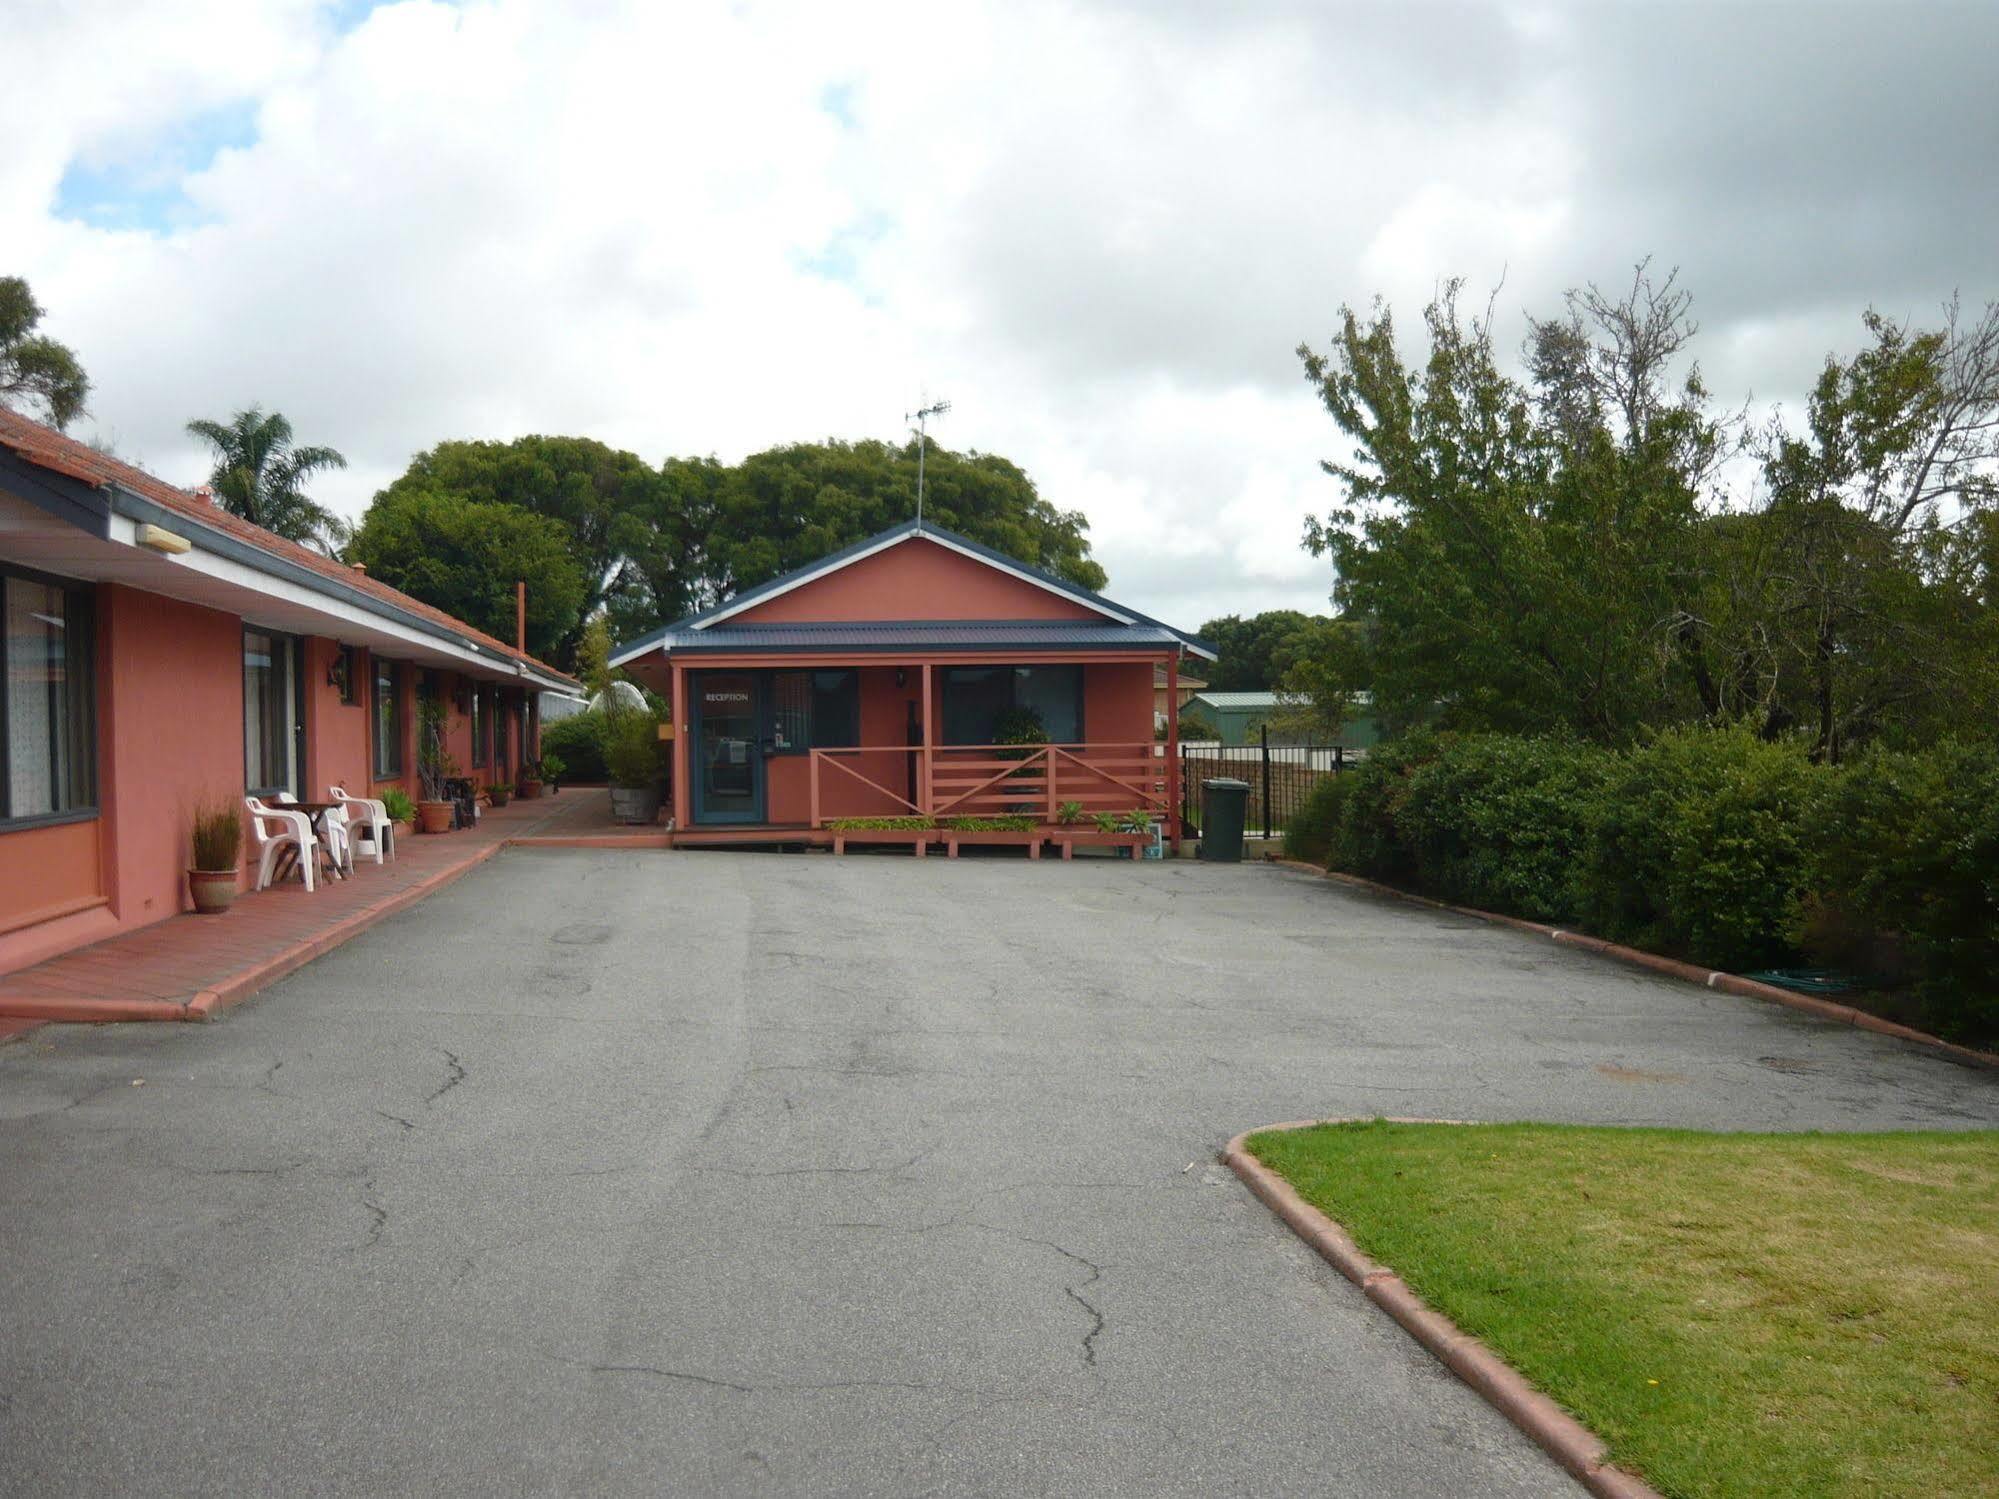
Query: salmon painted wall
[[915, 579], [1117, 702], [336, 733], [173, 738]]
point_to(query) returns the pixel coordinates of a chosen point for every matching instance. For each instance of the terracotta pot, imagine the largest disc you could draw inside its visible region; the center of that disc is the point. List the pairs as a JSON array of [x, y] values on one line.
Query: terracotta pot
[[214, 890], [501, 795], [434, 817], [528, 791]]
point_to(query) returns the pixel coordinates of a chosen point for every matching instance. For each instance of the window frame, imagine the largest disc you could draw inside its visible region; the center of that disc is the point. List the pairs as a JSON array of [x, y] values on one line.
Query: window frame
[[80, 597], [1011, 672], [294, 652], [380, 769], [482, 727], [810, 740]]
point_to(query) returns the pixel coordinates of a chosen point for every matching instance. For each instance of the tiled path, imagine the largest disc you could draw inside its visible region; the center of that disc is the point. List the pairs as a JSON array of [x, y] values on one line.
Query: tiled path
[[187, 965]]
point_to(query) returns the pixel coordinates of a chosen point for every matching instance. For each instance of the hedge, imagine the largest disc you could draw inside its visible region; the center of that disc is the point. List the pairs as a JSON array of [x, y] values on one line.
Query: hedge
[[579, 740], [1706, 844]]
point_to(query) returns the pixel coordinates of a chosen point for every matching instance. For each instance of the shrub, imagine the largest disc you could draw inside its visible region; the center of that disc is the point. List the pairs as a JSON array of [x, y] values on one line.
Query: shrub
[[1903, 875], [1504, 823], [631, 750], [579, 742], [881, 824], [1309, 833], [1017, 822], [1366, 839], [396, 802], [1700, 848]]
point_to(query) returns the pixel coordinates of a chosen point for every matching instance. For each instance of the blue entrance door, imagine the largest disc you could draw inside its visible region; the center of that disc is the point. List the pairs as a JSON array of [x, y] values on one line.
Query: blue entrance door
[[728, 752]]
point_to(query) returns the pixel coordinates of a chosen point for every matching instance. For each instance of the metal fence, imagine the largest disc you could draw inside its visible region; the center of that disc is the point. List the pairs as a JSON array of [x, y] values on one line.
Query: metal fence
[[1280, 776]]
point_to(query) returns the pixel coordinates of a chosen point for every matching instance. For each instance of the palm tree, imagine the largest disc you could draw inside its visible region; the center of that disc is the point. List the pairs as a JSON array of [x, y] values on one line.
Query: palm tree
[[258, 474]]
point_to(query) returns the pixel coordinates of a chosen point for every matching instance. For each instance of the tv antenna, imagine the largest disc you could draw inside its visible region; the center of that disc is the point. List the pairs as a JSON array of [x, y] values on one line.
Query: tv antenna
[[922, 420]]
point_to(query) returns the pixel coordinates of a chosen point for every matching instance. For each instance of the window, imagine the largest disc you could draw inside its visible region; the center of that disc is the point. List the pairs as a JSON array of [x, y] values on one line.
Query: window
[[502, 750], [46, 699], [976, 696], [388, 720], [482, 726], [815, 710], [271, 718]]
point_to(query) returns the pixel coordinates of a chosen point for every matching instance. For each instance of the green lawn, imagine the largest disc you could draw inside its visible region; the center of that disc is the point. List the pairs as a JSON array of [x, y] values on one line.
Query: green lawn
[[1734, 1314]]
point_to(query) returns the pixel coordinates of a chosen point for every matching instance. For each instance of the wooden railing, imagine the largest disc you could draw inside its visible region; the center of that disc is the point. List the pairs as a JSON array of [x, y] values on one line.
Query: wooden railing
[[986, 780]]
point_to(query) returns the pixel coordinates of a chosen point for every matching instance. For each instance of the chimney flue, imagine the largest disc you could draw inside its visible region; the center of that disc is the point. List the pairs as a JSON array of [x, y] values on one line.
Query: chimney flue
[[521, 615]]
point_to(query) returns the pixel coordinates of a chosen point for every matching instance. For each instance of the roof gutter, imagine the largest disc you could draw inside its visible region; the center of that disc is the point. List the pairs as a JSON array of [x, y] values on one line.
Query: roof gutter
[[137, 507]]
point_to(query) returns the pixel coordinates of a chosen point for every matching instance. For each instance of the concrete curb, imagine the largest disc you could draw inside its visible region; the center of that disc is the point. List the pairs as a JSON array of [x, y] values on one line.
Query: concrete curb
[[1578, 1449], [1692, 973]]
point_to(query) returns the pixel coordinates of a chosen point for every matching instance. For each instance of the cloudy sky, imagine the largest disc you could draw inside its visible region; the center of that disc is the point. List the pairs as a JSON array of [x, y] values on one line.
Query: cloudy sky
[[1100, 229]]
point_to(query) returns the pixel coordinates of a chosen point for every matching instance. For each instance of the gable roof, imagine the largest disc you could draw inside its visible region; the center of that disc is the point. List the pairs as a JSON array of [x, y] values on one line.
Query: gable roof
[[46, 448], [685, 632]]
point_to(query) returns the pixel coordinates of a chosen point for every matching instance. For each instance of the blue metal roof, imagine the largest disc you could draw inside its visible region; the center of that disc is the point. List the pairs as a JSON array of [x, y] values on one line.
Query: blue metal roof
[[920, 634]]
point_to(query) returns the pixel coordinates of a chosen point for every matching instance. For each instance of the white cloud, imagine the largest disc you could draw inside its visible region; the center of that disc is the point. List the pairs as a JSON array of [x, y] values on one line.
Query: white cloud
[[1099, 229]]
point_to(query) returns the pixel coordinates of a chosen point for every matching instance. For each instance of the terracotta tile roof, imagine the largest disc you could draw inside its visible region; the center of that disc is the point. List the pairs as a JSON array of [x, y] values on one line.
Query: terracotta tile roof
[[47, 448]]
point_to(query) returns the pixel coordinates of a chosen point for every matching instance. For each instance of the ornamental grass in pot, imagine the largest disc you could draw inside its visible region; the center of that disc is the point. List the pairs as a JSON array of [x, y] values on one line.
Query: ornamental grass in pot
[[631, 754], [215, 845]]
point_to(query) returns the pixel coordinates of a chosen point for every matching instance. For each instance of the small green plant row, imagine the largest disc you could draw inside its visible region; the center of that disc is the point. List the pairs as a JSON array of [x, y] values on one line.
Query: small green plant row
[[1138, 821]]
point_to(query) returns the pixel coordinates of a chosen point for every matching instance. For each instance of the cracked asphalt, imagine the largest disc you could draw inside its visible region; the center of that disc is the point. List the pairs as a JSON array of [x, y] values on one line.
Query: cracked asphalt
[[711, 1173]]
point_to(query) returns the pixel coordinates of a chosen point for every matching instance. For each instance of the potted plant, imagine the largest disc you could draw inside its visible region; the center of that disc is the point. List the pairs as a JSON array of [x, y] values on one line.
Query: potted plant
[[552, 767], [631, 754], [215, 841], [434, 766], [500, 793], [1069, 813], [402, 811], [528, 785]]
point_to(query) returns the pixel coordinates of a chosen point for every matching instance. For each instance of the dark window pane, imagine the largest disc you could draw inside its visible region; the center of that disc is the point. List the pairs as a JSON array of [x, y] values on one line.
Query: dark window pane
[[974, 698], [836, 709], [388, 720], [791, 711], [48, 696], [269, 713], [1056, 693]]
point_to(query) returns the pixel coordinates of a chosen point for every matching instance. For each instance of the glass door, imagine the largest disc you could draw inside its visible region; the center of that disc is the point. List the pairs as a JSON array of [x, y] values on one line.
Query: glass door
[[729, 762]]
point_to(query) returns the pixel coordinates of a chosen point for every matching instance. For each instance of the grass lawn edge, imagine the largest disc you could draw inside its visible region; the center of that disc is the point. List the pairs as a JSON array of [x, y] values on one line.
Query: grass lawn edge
[[1571, 1444]]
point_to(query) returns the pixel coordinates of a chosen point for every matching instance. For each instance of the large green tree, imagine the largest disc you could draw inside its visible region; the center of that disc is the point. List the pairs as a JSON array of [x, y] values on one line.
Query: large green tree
[[35, 370], [260, 474], [465, 556], [782, 508], [1251, 654], [630, 541], [1556, 550]]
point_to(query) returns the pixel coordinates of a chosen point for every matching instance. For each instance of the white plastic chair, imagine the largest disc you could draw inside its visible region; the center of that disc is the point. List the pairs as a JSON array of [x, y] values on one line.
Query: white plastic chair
[[276, 830], [369, 821]]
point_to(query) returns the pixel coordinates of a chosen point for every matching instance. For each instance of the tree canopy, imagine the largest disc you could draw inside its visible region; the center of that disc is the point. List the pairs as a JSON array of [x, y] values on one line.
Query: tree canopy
[[465, 556], [653, 544], [1251, 654], [35, 370], [782, 508], [260, 474], [1557, 550]]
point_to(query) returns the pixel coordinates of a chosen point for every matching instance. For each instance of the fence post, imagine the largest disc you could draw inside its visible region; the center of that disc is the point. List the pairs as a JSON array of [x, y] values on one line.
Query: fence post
[[1339, 758], [1266, 780]]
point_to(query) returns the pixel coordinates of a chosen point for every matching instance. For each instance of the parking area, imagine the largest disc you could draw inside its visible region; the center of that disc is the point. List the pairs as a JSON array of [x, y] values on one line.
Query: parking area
[[704, 1172]]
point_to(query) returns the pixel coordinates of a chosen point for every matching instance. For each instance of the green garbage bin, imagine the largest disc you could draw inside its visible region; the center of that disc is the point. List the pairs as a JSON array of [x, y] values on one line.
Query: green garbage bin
[[1224, 805]]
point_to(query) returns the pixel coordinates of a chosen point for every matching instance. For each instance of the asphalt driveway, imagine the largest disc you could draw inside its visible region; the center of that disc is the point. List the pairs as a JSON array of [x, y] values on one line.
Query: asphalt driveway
[[610, 1172]]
